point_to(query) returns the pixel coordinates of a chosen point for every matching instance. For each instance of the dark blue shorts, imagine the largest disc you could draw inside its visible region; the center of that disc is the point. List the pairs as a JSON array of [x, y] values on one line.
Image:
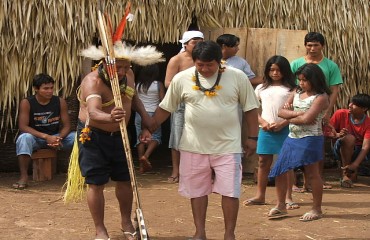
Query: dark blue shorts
[[103, 157], [356, 151]]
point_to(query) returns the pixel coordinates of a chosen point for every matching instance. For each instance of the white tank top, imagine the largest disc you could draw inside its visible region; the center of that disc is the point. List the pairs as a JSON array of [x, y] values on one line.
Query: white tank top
[[151, 99]]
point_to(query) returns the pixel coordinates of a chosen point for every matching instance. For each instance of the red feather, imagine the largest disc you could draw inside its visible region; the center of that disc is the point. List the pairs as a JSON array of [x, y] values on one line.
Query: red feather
[[121, 27]]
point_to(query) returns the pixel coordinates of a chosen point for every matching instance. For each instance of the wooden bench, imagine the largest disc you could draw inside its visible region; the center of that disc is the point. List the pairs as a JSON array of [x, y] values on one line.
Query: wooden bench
[[44, 164]]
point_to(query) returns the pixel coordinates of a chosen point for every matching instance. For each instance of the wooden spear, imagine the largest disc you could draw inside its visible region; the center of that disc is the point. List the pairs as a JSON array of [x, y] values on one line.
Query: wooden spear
[[106, 38]]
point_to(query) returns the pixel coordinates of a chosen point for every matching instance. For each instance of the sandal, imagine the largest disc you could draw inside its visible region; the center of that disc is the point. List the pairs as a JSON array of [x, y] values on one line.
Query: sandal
[[251, 202], [276, 213], [20, 185], [129, 235], [310, 216], [291, 205], [172, 179], [346, 183]]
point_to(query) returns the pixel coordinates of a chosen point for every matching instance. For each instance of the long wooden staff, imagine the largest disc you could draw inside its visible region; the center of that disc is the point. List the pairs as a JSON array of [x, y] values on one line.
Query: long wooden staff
[[106, 38]]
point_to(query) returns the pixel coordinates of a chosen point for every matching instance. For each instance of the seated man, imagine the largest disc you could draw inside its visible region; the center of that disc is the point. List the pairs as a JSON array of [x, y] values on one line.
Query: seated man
[[352, 128], [43, 122]]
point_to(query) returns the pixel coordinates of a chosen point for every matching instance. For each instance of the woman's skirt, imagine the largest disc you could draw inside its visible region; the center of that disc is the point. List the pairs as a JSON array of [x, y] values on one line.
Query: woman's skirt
[[298, 152], [271, 142]]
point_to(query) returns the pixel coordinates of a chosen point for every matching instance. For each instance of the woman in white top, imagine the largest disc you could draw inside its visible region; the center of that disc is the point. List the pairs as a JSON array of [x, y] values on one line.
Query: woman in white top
[[151, 92], [279, 84]]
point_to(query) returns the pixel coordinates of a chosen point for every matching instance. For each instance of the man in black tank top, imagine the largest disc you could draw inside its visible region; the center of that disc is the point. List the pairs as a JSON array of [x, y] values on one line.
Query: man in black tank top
[[43, 122]]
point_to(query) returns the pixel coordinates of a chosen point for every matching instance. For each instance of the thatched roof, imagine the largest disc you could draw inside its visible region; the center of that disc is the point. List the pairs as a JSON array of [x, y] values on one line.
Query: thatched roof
[[46, 36]]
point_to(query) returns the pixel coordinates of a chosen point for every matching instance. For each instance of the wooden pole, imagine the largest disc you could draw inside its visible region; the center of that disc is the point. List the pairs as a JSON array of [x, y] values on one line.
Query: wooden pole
[[106, 38]]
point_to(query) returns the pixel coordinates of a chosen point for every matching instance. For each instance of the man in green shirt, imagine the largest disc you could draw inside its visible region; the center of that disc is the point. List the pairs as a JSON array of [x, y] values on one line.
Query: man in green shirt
[[314, 43]]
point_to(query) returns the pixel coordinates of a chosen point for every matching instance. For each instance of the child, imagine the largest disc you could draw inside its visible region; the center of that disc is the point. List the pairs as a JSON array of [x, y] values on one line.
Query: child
[[273, 93], [151, 92], [303, 146], [352, 129]]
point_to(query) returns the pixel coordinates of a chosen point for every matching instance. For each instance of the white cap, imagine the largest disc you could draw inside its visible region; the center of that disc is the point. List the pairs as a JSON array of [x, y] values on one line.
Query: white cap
[[188, 35]]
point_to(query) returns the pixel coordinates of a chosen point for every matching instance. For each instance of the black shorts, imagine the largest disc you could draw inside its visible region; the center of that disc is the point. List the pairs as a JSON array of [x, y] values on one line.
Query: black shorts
[[102, 157]]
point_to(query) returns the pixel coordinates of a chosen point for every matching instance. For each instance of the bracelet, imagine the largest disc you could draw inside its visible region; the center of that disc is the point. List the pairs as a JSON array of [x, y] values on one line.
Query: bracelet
[[253, 138]]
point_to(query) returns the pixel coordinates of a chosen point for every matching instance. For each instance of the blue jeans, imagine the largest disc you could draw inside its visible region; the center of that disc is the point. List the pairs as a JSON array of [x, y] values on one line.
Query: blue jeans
[[27, 143]]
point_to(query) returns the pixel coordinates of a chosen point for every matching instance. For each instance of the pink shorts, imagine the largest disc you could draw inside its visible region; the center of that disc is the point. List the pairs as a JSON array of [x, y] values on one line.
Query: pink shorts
[[196, 174]]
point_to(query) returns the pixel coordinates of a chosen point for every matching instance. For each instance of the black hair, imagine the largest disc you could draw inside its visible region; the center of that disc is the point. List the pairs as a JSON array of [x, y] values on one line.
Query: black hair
[[207, 51], [361, 100], [40, 79], [146, 77], [315, 76], [228, 40], [288, 79], [314, 37]]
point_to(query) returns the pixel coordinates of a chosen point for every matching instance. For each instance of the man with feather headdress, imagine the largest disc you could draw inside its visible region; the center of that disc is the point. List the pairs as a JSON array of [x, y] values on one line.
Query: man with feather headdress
[[101, 155]]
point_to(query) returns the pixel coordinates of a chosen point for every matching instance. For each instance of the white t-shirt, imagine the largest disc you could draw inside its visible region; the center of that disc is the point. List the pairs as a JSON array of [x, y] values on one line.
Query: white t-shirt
[[211, 123], [272, 99], [151, 99]]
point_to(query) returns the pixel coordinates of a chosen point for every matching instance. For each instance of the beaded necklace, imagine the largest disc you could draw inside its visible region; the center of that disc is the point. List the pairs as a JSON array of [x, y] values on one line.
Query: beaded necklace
[[209, 92]]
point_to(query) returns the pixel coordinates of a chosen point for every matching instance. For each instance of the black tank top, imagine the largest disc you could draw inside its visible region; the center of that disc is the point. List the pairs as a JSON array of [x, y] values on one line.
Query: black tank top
[[45, 118]]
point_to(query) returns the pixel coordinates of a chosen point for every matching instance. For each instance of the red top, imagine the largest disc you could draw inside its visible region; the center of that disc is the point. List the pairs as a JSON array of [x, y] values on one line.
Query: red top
[[342, 119]]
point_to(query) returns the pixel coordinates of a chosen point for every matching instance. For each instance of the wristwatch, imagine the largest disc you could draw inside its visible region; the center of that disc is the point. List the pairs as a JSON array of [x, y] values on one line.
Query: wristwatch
[[253, 138]]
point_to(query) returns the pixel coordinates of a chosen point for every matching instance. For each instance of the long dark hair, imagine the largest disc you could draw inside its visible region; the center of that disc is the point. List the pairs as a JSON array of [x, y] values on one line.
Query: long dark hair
[[288, 79], [315, 76], [146, 77]]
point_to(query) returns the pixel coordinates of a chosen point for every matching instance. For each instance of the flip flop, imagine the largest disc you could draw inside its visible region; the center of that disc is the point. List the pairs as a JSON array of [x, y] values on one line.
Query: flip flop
[[276, 213], [298, 190], [326, 186], [347, 183], [20, 185], [291, 205], [172, 179], [310, 216], [129, 235], [251, 202]]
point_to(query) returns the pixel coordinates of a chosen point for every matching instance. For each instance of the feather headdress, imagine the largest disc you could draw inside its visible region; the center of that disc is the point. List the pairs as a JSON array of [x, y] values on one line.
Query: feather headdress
[[145, 55]]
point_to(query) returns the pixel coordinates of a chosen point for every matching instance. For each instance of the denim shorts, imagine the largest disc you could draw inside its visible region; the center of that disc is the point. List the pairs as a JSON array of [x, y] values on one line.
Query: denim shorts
[[356, 151], [102, 157], [26, 143], [157, 135]]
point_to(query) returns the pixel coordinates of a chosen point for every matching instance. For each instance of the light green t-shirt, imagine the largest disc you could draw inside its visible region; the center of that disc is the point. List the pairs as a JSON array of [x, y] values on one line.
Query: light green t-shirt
[[330, 69], [211, 123]]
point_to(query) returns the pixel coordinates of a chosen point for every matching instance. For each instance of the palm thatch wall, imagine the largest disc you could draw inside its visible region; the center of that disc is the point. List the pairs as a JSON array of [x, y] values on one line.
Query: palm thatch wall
[[46, 36]]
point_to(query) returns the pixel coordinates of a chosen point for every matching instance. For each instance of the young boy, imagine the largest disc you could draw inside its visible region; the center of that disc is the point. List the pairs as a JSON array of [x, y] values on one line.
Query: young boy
[[352, 128]]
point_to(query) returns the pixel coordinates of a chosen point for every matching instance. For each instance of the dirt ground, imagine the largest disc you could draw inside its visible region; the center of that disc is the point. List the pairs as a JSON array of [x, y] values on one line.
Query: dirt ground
[[39, 213]]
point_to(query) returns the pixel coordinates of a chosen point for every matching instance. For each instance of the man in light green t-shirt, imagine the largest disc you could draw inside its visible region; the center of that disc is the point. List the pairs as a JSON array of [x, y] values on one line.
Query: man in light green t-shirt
[[314, 43], [211, 139]]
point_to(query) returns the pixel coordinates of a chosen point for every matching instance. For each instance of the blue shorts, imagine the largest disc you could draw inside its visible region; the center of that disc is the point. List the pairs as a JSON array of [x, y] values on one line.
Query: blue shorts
[[102, 157], [356, 151], [26, 143], [156, 136]]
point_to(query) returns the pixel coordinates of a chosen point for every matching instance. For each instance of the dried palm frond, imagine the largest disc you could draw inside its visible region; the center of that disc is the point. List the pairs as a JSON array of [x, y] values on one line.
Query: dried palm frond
[[46, 36]]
